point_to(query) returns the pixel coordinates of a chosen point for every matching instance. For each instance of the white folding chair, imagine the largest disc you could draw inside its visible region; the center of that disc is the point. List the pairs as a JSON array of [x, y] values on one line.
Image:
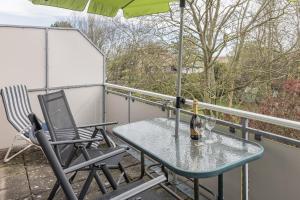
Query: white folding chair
[[17, 108]]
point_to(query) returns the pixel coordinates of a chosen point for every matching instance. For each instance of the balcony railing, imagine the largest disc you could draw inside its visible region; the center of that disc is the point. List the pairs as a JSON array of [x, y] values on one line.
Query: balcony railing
[[265, 176], [245, 115]]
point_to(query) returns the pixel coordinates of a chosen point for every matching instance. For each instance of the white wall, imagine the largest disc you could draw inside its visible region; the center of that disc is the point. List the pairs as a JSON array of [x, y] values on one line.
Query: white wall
[[72, 61]]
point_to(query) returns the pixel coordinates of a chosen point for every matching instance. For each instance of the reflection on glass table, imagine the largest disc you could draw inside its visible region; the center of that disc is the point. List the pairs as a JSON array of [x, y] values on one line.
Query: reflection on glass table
[[184, 156]]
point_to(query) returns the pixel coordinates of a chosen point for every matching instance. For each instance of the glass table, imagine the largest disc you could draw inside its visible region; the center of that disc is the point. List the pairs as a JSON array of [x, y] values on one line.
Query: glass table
[[185, 157]]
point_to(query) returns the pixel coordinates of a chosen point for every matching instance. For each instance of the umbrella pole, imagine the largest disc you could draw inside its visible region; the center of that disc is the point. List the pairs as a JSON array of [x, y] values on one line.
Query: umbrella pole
[[179, 100]]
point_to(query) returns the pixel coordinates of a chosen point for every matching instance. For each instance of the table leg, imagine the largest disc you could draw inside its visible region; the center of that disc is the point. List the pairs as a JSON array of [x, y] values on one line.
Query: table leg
[[245, 182], [196, 189], [142, 165], [220, 187]]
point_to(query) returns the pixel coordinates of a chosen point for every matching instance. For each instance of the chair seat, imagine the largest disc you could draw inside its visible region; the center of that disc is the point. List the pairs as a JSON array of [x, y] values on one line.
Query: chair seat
[[146, 195], [96, 152]]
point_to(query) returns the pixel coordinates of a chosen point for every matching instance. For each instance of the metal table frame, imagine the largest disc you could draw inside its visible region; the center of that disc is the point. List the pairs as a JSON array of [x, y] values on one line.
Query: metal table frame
[[195, 177], [196, 181]]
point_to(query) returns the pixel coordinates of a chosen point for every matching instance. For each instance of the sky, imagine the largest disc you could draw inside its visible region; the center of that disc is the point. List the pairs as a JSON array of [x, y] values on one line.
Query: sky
[[23, 12]]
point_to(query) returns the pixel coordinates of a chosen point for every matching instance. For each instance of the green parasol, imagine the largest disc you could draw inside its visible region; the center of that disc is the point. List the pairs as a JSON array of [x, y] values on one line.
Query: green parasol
[[109, 8]]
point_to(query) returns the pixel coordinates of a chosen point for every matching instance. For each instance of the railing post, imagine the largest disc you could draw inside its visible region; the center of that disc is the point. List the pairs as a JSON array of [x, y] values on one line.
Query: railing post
[[244, 187], [104, 104], [46, 61], [129, 105]]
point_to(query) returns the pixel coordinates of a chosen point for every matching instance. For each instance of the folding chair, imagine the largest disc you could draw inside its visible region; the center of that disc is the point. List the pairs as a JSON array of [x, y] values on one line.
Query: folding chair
[[17, 107], [134, 190], [62, 128]]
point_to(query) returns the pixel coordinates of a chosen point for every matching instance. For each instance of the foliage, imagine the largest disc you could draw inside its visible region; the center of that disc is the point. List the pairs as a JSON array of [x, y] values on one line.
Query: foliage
[[241, 49], [285, 104], [65, 24], [146, 66]]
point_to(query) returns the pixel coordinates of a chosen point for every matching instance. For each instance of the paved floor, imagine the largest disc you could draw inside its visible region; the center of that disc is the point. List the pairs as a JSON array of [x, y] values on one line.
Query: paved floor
[[29, 177]]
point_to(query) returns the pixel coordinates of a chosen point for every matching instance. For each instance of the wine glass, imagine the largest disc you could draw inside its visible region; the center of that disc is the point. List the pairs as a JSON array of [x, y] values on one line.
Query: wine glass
[[210, 124]]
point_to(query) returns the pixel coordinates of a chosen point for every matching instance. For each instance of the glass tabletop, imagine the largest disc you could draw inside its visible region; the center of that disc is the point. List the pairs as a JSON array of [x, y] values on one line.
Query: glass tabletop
[[185, 156]]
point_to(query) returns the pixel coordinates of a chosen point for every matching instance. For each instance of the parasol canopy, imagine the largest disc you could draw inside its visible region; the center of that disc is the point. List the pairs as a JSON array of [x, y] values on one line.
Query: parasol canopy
[[109, 8]]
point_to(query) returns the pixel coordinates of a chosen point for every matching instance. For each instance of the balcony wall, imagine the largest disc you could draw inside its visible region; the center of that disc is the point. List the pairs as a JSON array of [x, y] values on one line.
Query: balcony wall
[[273, 177], [49, 59]]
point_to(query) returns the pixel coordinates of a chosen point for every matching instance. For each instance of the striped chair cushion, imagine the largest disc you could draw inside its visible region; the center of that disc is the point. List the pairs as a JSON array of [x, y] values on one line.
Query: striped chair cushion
[[17, 107]]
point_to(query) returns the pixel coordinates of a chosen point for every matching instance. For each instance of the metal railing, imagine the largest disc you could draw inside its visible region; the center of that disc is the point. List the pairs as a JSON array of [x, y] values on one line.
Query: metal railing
[[245, 116]]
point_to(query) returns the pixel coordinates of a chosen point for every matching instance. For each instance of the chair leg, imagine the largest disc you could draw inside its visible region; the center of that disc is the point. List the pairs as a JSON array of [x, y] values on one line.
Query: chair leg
[[99, 183], [106, 138], [86, 185], [53, 191], [72, 177], [7, 157], [97, 178], [122, 169], [109, 176]]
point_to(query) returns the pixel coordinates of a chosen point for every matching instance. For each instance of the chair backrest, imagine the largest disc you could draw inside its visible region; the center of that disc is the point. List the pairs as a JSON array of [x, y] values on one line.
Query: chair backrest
[[58, 116], [55, 165], [17, 107], [60, 122]]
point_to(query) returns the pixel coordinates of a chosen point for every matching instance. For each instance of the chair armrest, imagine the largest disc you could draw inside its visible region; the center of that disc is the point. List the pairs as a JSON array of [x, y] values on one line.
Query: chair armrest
[[96, 125], [94, 160], [75, 141], [141, 188]]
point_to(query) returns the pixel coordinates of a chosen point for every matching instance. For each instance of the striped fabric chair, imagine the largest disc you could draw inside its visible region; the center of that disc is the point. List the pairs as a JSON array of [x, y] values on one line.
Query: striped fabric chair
[[17, 108]]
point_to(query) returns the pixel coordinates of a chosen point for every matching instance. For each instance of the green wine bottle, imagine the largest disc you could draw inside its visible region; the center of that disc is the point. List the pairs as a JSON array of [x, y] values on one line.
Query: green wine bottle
[[195, 123]]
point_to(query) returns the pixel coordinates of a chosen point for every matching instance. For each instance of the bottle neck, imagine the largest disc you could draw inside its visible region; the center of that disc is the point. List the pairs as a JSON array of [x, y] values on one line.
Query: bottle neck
[[195, 107]]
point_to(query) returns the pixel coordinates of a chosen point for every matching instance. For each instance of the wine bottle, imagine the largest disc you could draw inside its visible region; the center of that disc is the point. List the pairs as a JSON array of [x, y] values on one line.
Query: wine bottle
[[195, 123]]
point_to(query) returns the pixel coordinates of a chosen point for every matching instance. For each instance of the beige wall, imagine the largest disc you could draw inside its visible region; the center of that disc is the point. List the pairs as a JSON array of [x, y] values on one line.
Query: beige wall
[[72, 61], [117, 108], [22, 51]]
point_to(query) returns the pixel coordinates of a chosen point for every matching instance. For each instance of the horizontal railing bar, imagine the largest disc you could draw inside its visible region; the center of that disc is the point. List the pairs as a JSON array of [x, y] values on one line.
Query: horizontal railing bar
[[279, 138], [138, 98], [74, 86], [232, 111], [64, 87], [144, 92], [221, 122], [265, 134], [37, 90]]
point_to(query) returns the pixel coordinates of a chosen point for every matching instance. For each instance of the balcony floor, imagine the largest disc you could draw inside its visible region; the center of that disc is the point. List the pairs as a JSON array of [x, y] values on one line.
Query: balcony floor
[[28, 176]]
